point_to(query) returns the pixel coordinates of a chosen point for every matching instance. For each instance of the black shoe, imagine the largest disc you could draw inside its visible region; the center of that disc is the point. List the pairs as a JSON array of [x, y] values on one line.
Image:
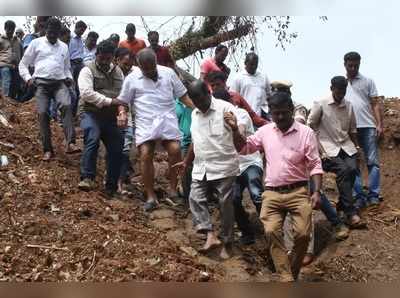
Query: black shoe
[[247, 239]]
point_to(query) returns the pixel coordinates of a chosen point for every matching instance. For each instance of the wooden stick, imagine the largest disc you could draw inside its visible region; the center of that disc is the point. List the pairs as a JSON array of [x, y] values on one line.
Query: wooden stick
[[46, 247], [91, 265], [18, 156]]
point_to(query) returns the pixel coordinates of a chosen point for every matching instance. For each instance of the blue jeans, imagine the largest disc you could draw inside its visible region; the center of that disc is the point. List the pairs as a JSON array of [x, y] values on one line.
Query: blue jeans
[[6, 77], [367, 140], [251, 179], [96, 129]]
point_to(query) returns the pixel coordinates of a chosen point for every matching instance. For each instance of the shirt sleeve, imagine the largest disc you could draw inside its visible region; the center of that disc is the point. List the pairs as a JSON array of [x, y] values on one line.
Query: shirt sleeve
[[178, 88], [253, 143], [373, 92], [204, 66], [87, 92], [268, 91], [315, 116], [27, 59], [313, 161], [235, 85], [257, 120], [127, 93], [67, 65]]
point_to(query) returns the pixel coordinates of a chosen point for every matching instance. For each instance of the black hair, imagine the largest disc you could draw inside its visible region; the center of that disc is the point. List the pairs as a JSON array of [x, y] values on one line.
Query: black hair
[[222, 94], [216, 75], [197, 86], [114, 36], [105, 47], [279, 99], [93, 35], [130, 27], [220, 47], [121, 52], [64, 30], [80, 24], [250, 56], [54, 23], [9, 25], [153, 33], [352, 56], [339, 82]]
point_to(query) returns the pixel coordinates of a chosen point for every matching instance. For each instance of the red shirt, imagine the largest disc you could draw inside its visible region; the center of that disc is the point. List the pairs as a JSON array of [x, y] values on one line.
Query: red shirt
[[133, 46], [238, 100], [164, 57]]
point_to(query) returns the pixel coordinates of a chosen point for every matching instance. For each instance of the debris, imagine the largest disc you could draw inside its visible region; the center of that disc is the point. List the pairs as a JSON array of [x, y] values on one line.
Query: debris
[[7, 249], [92, 264], [189, 250], [114, 217], [46, 247], [54, 209], [3, 161], [8, 145], [4, 121]]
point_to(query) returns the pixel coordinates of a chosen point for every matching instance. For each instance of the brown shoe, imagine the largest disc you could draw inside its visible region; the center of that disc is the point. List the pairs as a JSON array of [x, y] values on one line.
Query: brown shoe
[[47, 156], [72, 148]]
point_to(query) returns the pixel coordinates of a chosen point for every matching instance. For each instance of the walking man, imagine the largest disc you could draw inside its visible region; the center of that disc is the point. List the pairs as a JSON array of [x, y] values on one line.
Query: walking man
[[363, 95], [52, 76], [291, 153]]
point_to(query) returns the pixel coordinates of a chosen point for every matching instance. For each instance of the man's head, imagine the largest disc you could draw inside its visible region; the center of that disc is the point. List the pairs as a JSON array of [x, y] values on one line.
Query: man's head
[[222, 94], [53, 28], [91, 40], [80, 28], [200, 95], [9, 28], [105, 54], [40, 25], [114, 38], [130, 31], [125, 59], [221, 52], [147, 62], [352, 64], [20, 33], [251, 63], [281, 107], [338, 88], [153, 38], [216, 80], [65, 34]]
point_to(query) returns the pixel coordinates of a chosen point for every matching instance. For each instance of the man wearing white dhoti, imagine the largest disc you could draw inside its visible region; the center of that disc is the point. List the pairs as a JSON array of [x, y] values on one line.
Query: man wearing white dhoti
[[152, 89]]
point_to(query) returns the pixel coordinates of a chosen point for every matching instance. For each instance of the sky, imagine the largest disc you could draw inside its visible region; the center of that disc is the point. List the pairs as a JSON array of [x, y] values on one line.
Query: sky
[[310, 60]]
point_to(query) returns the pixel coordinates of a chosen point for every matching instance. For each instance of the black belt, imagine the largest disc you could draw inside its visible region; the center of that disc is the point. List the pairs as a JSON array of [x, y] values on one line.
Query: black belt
[[284, 188]]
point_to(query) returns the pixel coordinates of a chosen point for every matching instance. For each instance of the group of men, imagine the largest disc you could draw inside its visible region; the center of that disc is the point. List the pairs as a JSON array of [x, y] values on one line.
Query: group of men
[[221, 139]]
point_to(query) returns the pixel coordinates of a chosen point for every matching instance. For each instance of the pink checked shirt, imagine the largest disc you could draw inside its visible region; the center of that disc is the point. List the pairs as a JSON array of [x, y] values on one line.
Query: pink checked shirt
[[291, 156]]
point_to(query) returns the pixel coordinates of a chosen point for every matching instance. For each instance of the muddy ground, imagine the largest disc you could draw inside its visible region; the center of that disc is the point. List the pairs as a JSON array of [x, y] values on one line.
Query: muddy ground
[[51, 231]]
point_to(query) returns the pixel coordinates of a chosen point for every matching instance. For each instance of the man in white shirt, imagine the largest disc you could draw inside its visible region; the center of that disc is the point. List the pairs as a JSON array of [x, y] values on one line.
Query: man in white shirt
[[215, 165], [52, 76], [89, 51], [152, 90], [252, 85], [250, 177]]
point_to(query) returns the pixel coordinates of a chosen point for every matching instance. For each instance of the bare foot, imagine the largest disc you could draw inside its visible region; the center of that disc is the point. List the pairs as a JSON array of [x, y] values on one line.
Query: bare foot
[[226, 252], [212, 242]]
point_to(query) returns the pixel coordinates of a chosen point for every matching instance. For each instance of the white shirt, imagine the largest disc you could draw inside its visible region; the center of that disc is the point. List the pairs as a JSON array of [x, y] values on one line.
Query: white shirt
[[253, 159], [214, 151], [154, 103], [50, 61], [253, 88], [88, 55], [86, 88]]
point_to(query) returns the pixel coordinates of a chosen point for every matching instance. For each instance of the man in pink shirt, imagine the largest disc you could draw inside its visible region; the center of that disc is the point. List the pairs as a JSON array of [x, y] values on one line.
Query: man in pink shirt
[[215, 63], [291, 153]]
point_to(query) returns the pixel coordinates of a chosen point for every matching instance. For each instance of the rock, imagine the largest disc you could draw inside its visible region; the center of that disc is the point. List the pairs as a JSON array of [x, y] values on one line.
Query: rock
[[204, 276], [114, 217], [162, 213], [164, 224], [7, 249], [189, 251]]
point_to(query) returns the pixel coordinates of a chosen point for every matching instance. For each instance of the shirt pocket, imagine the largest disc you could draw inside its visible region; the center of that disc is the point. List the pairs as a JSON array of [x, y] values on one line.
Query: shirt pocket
[[215, 127], [293, 155]]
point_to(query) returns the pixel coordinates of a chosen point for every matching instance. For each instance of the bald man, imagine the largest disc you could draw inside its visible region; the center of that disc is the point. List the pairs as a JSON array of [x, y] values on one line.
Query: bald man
[[152, 89]]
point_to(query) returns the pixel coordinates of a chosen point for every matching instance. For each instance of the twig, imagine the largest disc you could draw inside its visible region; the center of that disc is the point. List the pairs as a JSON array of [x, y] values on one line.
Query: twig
[[8, 145], [18, 156], [91, 265], [46, 247]]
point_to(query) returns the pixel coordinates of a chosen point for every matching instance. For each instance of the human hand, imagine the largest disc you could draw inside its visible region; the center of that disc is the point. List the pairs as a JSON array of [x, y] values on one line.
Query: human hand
[[316, 200], [230, 119]]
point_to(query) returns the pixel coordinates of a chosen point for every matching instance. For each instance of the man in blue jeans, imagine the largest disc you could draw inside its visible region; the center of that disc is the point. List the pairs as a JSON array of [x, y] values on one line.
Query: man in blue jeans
[[363, 95], [100, 83], [10, 55], [250, 177]]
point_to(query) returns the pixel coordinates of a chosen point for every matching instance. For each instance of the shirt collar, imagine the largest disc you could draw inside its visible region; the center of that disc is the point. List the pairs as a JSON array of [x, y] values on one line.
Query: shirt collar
[[331, 101], [294, 128], [159, 76]]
